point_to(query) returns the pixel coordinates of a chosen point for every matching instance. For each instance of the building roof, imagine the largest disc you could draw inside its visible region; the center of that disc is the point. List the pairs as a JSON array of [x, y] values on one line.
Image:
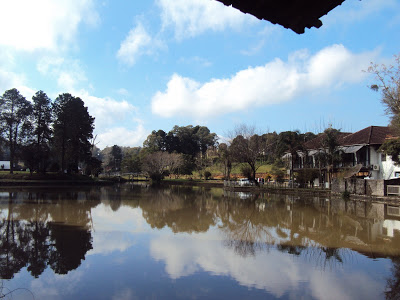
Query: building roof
[[317, 142], [294, 14], [372, 135]]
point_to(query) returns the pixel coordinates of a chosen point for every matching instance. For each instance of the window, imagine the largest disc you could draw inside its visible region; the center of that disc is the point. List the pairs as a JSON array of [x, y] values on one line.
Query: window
[[383, 157]]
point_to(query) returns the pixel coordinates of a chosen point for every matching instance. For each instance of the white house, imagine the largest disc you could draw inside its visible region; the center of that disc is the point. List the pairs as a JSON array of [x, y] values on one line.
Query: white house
[[357, 149]]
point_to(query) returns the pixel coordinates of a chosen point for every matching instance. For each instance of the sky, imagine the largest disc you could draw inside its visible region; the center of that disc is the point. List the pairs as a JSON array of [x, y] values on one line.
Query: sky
[[147, 65]]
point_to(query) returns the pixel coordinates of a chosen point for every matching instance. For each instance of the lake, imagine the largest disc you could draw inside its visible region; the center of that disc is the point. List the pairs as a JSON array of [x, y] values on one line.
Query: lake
[[140, 242]]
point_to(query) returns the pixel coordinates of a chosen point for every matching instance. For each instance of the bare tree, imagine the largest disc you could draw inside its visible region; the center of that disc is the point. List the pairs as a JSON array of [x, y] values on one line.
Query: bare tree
[[247, 147], [388, 83], [158, 164]]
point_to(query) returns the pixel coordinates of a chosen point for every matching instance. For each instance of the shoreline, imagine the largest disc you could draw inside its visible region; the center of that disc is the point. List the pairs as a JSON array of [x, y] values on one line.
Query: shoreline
[[62, 183]]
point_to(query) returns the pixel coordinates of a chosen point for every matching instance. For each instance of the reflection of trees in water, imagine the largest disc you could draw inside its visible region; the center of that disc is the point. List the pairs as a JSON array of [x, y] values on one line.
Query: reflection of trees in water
[[291, 223], [69, 247], [30, 237], [181, 209], [22, 244], [243, 227], [298, 226], [6, 293]]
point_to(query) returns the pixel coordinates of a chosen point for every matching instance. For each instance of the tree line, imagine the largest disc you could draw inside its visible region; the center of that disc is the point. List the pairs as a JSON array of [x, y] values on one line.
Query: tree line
[[58, 136], [187, 149], [44, 134]]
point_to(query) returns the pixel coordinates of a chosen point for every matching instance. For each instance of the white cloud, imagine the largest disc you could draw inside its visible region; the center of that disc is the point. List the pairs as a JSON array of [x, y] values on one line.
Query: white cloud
[[68, 73], [123, 136], [273, 83], [355, 11], [43, 24], [107, 111], [196, 61], [137, 43], [123, 92], [10, 79], [274, 271], [193, 17]]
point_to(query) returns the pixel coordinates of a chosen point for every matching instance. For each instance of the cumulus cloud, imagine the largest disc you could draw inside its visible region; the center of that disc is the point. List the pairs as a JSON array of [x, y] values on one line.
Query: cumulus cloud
[[273, 271], [275, 82], [108, 112], [193, 17], [68, 73], [137, 43], [123, 136], [43, 24]]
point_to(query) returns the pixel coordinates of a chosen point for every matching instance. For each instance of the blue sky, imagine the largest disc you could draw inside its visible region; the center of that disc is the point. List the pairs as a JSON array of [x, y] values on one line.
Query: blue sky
[[147, 65]]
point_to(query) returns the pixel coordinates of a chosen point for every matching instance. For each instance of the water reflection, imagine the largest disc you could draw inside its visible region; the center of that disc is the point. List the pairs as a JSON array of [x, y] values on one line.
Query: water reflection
[[283, 245], [44, 229]]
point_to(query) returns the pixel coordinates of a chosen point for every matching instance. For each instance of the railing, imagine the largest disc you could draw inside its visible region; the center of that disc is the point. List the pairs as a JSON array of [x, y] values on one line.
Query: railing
[[273, 184]]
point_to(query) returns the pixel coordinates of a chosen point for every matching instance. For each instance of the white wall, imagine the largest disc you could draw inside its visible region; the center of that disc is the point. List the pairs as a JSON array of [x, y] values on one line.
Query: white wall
[[6, 164], [388, 168]]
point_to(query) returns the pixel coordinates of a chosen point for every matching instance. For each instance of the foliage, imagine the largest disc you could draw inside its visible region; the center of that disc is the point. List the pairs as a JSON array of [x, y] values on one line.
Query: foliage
[[73, 128], [41, 121], [116, 154], [392, 148], [247, 147], [388, 83], [246, 171], [293, 142], [15, 123], [207, 175], [93, 167], [131, 163], [159, 164], [225, 156], [190, 140], [278, 173], [306, 175]]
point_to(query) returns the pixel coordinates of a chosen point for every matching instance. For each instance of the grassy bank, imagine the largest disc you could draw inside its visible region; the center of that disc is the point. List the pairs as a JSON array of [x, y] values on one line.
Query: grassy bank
[[25, 178]]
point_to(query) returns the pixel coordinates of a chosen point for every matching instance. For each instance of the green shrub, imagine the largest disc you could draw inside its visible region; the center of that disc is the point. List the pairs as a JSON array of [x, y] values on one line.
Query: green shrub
[[207, 175]]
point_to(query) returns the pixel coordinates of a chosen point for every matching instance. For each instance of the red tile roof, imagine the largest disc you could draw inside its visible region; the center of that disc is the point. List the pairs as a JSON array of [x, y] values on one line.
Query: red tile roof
[[372, 135], [316, 143]]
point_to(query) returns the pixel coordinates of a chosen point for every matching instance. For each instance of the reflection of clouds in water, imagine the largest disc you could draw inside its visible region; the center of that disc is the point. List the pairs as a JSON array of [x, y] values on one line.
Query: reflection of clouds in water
[[107, 242], [125, 294], [53, 286], [344, 286], [126, 219], [273, 271]]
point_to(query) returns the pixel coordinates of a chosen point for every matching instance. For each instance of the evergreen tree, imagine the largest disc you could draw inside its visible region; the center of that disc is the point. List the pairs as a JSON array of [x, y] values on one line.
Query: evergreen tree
[[15, 112], [73, 129], [42, 119]]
